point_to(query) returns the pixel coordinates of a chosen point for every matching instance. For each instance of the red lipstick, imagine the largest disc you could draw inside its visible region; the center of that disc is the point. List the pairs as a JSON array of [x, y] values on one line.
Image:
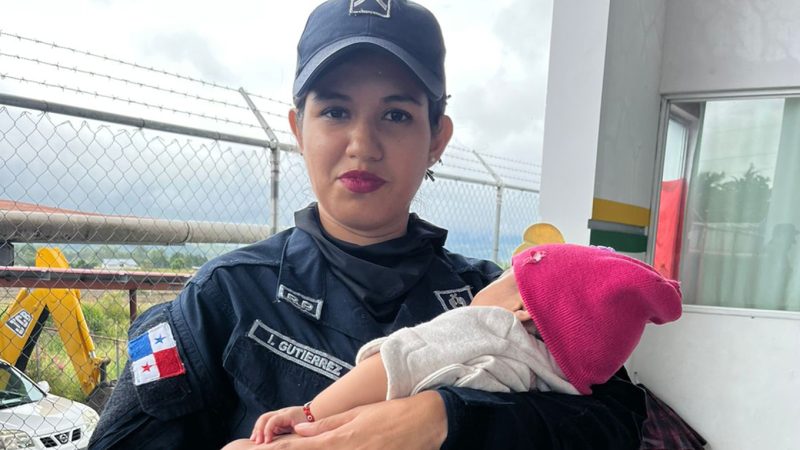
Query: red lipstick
[[361, 181]]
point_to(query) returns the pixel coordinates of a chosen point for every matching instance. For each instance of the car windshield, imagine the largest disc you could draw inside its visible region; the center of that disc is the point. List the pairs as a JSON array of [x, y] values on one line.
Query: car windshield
[[16, 389]]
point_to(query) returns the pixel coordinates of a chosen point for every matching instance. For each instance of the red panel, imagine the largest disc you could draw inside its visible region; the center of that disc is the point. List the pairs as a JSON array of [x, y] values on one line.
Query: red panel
[[670, 228]]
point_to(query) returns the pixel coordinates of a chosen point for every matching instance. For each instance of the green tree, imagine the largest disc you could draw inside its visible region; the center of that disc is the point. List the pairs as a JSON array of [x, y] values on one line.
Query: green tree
[[158, 258], [177, 261], [81, 263], [139, 254], [743, 199]]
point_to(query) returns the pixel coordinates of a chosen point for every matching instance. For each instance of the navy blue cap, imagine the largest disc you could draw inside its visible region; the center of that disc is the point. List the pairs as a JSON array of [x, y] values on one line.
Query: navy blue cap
[[400, 27]]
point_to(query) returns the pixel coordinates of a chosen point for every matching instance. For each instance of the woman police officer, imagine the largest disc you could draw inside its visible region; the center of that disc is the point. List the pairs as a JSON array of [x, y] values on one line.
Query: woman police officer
[[272, 324]]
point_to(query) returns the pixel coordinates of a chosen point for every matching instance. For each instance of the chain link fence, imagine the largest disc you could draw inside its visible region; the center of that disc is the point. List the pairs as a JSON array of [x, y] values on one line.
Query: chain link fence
[[117, 181]]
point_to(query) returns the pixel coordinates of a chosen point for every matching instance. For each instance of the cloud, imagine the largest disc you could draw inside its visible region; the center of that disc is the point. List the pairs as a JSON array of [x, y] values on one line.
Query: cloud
[[504, 113], [524, 27], [189, 47]]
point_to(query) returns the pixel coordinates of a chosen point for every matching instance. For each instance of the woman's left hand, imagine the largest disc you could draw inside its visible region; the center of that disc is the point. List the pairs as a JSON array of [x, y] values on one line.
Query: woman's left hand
[[418, 422]]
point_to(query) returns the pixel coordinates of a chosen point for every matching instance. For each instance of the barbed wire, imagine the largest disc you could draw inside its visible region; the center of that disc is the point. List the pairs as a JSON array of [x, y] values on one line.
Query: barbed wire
[[136, 65], [472, 160], [133, 102], [516, 161], [465, 149], [450, 155], [468, 169], [537, 169], [525, 180], [124, 80]]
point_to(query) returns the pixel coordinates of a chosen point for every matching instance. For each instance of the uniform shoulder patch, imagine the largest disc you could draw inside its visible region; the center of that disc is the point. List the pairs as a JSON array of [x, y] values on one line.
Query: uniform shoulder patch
[[454, 298], [154, 355]]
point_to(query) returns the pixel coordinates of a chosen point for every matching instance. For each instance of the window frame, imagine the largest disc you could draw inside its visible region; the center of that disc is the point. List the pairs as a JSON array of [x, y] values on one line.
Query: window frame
[[665, 113]]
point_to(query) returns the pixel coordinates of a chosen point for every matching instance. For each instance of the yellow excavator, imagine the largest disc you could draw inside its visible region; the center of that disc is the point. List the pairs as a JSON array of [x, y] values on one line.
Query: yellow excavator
[[24, 319]]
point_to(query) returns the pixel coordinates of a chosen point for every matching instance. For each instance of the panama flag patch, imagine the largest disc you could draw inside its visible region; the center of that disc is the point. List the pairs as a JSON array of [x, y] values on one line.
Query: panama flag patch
[[154, 355]]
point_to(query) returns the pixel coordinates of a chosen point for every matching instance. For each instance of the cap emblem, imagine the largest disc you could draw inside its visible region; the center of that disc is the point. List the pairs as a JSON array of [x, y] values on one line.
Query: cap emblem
[[380, 8]]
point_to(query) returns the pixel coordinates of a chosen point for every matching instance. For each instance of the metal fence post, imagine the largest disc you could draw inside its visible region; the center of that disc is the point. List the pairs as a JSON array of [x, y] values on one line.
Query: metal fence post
[[132, 305], [497, 216], [498, 206], [116, 354], [6, 253], [274, 157]]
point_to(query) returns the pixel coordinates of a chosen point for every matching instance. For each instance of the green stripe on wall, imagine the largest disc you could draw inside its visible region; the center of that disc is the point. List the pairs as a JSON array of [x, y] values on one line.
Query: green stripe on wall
[[623, 242]]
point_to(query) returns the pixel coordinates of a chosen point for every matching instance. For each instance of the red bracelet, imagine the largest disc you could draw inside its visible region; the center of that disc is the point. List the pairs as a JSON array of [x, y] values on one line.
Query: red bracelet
[[307, 412]]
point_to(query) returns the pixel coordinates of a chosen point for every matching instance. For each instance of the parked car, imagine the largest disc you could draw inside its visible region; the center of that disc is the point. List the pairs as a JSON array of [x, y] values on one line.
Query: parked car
[[31, 418]]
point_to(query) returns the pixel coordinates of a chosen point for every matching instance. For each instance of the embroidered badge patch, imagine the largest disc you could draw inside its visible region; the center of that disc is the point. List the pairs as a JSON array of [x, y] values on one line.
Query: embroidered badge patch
[[454, 298], [154, 355], [380, 8], [308, 357], [306, 304]]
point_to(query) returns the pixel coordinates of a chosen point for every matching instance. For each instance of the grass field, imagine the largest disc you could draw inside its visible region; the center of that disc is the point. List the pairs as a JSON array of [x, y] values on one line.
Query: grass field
[[107, 316]]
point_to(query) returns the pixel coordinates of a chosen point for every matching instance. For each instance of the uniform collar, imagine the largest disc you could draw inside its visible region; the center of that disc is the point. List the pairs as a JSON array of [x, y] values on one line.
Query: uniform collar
[[301, 281], [378, 275], [307, 285]]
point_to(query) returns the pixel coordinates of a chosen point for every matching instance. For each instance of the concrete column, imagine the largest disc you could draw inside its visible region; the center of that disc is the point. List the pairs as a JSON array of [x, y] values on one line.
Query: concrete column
[[572, 115]]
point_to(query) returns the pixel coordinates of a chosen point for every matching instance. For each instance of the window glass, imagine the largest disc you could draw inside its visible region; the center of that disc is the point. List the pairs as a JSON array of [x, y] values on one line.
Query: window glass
[[674, 154], [16, 389], [673, 188], [740, 214]]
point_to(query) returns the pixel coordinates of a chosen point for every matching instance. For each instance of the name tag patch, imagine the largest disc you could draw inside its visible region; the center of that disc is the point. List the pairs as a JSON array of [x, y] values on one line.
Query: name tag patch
[[454, 298], [307, 305], [303, 355]]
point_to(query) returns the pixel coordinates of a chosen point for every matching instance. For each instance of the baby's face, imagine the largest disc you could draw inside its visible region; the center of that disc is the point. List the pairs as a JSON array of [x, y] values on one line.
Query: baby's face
[[502, 292]]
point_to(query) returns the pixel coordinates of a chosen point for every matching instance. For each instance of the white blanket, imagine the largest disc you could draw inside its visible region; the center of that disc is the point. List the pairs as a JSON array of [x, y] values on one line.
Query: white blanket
[[478, 347]]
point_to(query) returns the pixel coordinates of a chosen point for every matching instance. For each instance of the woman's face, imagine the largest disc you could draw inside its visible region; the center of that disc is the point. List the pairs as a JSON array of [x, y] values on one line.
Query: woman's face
[[367, 141]]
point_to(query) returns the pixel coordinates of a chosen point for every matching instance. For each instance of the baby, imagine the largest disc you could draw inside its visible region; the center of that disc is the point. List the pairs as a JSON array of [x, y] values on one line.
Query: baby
[[565, 318]]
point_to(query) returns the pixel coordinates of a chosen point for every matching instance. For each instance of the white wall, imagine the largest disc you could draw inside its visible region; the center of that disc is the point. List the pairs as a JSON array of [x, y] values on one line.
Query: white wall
[[572, 115], [631, 102], [735, 378], [731, 44], [601, 119], [733, 375]]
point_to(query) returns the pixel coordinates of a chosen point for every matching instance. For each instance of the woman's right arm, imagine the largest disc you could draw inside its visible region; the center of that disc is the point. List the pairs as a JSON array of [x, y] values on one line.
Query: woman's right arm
[[177, 411]]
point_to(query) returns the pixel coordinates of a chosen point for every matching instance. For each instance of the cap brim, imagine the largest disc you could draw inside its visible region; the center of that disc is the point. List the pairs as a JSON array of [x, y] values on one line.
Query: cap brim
[[329, 54]]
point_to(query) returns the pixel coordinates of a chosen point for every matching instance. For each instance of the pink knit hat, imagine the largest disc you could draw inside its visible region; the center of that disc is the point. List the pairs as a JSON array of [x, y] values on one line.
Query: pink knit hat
[[590, 306]]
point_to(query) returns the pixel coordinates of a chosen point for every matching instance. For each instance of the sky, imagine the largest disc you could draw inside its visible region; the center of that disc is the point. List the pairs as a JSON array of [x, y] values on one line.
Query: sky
[[497, 52]]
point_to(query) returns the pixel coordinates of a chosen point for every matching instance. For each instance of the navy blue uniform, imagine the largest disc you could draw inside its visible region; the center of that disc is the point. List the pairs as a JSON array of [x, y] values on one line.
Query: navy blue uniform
[[270, 326]]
